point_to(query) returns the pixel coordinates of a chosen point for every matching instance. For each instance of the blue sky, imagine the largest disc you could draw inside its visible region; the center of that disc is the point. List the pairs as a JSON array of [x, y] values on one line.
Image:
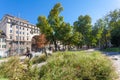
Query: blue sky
[[31, 9]]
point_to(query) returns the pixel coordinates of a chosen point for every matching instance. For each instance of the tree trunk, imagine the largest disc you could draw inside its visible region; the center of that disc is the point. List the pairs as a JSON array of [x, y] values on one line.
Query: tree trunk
[[55, 44], [106, 45]]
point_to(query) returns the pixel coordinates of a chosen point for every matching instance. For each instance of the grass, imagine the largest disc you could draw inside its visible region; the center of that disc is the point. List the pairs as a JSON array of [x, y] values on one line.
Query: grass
[[112, 49], [77, 65], [73, 65], [2, 58], [2, 78], [39, 59]]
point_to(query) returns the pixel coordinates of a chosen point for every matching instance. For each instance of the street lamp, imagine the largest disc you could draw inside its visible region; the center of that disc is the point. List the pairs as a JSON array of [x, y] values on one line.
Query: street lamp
[[18, 34]]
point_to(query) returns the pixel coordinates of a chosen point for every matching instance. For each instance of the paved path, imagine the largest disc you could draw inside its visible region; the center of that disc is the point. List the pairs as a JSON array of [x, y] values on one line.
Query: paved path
[[115, 57], [4, 60]]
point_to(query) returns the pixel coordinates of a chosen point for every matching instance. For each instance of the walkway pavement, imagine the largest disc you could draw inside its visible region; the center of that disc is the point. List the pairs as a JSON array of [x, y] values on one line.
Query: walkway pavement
[[115, 57]]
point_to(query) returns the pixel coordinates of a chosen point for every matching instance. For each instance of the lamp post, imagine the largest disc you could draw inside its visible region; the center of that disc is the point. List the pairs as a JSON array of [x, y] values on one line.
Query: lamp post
[[18, 34]]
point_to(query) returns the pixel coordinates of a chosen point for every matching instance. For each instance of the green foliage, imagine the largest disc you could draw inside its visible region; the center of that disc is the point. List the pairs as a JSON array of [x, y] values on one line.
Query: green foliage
[[39, 59], [107, 30], [115, 35], [64, 33], [101, 32], [54, 27], [11, 69], [44, 27], [77, 66], [16, 70], [1, 78], [76, 38], [84, 27], [112, 49]]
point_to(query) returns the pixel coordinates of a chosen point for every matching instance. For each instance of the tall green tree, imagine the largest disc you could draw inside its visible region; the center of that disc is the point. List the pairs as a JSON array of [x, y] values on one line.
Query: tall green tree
[[76, 39], [104, 28], [99, 32], [112, 20], [55, 21], [115, 35], [45, 27], [84, 27], [54, 27], [64, 33]]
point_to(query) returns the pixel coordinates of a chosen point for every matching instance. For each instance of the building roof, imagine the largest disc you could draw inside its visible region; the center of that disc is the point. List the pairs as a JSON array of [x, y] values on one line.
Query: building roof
[[16, 18]]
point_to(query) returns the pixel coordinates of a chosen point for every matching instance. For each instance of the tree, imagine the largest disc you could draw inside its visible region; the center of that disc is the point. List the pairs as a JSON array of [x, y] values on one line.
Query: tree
[[115, 35], [55, 21], [39, 42], [99, 32], [112, 20], [64, 33], [84, 27], [45, 27], [76, 39], [105, 28], [54, 27]]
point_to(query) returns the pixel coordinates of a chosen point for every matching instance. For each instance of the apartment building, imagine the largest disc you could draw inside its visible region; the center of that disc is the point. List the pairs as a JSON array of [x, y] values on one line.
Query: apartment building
[[2, 41], [18, 30]]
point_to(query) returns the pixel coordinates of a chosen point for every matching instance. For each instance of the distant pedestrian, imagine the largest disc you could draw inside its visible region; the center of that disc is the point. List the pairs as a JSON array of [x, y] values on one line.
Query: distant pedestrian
[[28, 54]]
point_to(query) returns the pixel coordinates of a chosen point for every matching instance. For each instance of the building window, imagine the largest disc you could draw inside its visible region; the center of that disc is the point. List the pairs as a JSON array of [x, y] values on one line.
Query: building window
[[20, 32], [10, 31], [10, 25], [25, 24], [3, 46], [3, 40], [10, 37], [9, 20], [23, 32], [17, 27], [27, 29], [27, 34], [23, 38], [21, 23], [16, 32], [16, 37], [20, 37], [20, 27], [23, 28], [27, 38]]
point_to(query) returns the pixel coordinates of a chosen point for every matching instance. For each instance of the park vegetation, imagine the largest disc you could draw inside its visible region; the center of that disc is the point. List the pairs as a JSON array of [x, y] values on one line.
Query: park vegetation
[[103, 34], [79, 65]]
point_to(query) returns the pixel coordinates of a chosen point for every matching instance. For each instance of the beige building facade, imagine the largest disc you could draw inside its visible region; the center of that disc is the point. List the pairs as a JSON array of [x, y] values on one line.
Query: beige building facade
[[19, 32], [2, 41]]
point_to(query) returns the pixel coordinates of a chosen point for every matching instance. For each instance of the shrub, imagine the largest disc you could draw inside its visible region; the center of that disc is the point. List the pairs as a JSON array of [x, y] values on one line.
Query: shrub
[[16, 70], [77, 66], [12, 68], [39, 59], [114, 49]]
